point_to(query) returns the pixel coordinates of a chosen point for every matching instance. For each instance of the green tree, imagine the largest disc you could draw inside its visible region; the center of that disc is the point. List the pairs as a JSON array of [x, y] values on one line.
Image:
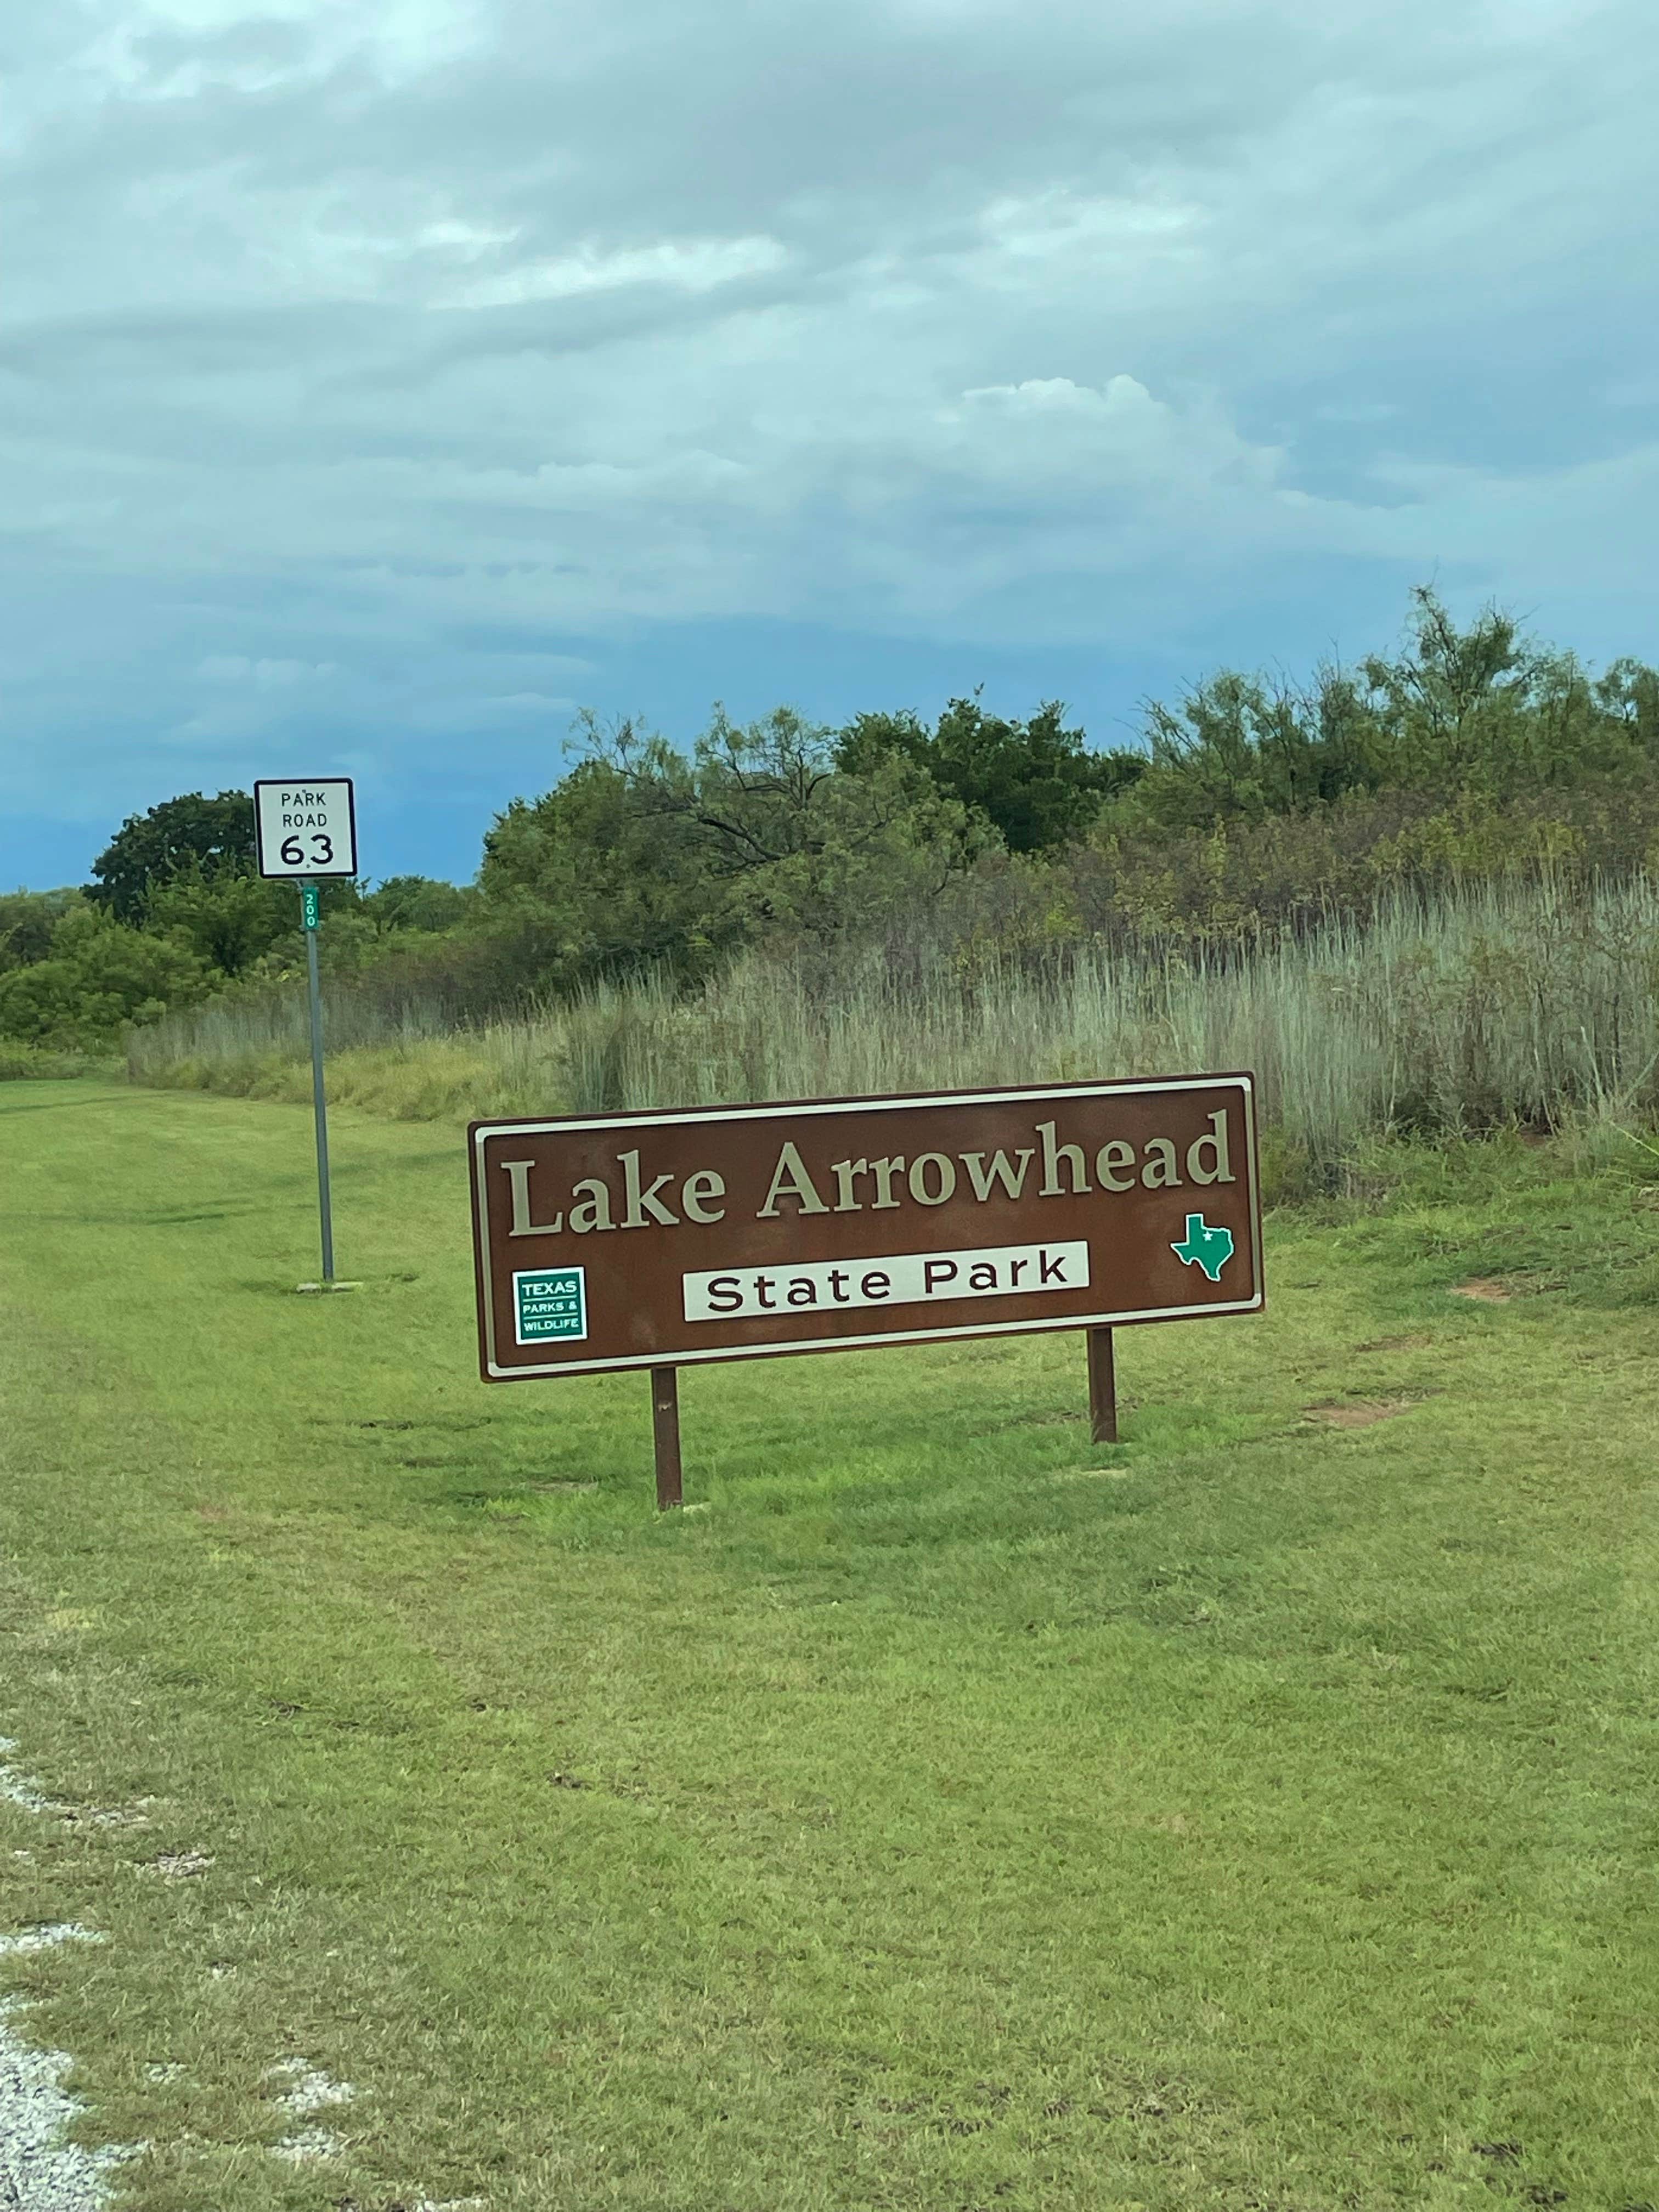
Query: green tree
[[641, 855], [814, 846], [1035, 782], [1628, 691], [421, 903], [229, 919], [212, 836], [603, 872], [1486, 708], [1241, 748], [1477, 709]]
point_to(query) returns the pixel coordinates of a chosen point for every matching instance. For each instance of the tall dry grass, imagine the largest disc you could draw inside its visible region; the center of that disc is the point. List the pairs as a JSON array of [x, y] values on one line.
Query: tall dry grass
[[1522, 1002]]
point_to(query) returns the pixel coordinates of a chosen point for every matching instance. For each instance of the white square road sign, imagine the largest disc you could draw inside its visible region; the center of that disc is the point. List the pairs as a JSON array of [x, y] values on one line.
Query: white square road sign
[[306, 826]]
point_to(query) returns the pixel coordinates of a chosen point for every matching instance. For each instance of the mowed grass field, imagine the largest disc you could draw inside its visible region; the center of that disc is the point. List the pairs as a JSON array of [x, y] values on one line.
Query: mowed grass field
[[1263, 1813]]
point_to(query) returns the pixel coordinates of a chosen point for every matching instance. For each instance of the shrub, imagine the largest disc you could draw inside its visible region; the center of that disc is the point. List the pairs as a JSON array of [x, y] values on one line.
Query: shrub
[[98, 974]]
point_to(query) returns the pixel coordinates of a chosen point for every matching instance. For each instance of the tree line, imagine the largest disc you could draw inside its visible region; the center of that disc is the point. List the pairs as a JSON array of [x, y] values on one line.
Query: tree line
[[1252, 803]]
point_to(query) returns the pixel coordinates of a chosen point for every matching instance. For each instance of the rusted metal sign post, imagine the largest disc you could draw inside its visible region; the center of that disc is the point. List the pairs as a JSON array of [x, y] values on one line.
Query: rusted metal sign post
[[661, 1241]]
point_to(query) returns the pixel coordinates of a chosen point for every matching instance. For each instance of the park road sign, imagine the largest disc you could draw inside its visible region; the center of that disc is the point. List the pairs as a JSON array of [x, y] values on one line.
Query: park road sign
[[663, 1240], [305, 826]]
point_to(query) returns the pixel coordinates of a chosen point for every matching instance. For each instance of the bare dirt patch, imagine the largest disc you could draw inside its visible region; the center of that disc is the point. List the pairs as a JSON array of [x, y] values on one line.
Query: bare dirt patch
[[1356, 1413], [1485, 1290]]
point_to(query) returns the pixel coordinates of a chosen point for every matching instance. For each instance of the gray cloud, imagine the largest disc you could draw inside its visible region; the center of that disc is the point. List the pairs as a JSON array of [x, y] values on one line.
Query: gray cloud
[[345, 340]]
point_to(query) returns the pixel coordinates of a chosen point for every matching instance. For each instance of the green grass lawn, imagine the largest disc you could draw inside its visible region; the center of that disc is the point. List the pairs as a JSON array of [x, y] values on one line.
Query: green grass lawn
[[947, 1815]]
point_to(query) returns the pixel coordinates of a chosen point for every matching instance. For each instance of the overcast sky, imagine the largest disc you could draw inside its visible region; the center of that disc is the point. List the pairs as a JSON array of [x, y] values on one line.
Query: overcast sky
[[381, 378]]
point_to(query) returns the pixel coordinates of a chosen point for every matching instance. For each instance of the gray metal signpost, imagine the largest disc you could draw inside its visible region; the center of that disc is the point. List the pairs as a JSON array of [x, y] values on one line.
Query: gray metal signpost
[[310, 910], [306, 830]]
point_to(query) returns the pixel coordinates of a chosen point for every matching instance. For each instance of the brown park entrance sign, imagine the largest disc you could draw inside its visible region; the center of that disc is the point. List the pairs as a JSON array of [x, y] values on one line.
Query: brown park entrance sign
[[662, 1240]]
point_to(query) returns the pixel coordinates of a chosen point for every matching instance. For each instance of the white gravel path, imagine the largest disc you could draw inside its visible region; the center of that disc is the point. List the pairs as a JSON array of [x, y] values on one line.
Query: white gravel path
[[18, 1787], [39, 2170]]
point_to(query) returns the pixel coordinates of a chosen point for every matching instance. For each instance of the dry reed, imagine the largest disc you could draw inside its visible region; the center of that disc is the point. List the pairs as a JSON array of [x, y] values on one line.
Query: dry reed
[[1525, 1003]]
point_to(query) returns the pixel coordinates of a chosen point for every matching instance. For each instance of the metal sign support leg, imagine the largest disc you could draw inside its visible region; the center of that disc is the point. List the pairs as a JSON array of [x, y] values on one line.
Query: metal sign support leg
[[1103, 1387], [320, 1105], [665, 1434]]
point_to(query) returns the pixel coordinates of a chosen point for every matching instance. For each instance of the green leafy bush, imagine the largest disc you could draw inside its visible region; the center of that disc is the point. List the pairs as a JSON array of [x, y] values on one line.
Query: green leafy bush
[[27, 922], [97, 975]]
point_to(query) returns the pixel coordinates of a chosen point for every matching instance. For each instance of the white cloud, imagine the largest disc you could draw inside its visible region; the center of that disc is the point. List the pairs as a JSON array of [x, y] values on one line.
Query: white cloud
[[696, 265], [336, 340]]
